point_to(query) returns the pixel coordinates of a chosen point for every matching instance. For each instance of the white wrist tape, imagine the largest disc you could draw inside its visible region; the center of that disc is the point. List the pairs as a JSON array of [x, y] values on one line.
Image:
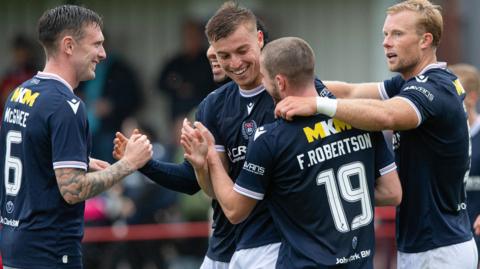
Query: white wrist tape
[[326, 106]]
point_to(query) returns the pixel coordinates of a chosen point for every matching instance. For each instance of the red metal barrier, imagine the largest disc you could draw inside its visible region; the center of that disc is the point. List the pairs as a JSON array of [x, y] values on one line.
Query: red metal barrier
[[146, 232]]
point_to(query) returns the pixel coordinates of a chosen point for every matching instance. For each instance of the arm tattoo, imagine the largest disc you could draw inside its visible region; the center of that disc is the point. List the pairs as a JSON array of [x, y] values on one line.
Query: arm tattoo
[[76, 185]]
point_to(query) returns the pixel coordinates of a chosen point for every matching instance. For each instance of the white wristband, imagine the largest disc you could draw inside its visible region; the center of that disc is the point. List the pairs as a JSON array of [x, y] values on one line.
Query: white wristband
[[326, 106]]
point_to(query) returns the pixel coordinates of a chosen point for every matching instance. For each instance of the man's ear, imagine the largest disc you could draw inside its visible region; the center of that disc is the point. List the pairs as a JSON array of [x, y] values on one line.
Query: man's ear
[[260, 40], [67, 44], [426, 40], [281, 82]]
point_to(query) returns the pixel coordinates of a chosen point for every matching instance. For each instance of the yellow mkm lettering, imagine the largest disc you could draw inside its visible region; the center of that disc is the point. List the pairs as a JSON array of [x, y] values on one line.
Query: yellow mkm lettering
[[320, 132], [24, 96], [313, 134]]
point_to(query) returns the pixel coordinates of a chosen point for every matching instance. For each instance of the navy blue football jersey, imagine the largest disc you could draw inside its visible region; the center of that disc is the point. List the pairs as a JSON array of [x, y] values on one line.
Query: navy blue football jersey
[[317, 176], [44, 127], [473, 182], [233, 115], [433, 161]]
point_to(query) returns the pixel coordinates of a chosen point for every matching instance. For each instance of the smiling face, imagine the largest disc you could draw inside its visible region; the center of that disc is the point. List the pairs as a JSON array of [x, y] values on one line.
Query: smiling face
[[239, 56], [217, 71], [88, 52], [402, 43]]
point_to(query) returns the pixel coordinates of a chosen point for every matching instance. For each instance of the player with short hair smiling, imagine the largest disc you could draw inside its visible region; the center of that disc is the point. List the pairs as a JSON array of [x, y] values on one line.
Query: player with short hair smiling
[[424, 107], [316, 174], [45, 146], [232, 112]]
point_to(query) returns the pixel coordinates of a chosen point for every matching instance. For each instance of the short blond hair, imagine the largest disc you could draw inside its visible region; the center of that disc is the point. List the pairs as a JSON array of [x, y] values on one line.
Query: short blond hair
[[468, 75], [430, 17]]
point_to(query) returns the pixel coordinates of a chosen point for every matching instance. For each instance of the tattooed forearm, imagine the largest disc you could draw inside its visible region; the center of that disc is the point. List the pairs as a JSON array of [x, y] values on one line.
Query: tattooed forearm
[[77, 185]]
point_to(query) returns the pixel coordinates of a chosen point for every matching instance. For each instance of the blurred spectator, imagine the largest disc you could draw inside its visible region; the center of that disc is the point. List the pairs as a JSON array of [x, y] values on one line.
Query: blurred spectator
[[112, 96], [470, 80], [24, 65], [187, 78]]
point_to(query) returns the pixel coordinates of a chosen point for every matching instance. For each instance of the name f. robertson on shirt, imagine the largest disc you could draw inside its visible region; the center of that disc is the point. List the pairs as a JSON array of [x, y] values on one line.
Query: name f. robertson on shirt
[[334, 150]]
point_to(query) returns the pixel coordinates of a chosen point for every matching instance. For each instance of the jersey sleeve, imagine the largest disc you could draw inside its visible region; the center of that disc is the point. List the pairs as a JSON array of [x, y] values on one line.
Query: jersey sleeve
[[207, 115], [322, 89], [421, 96], [384, 159], [254, 177], [176, 177], [69, 135], [390, 87]]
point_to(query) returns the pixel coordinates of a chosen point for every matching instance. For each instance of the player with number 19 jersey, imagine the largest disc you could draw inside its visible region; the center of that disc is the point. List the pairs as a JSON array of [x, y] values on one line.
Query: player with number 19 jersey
[[44, 127], [317, 177], [233, 115]]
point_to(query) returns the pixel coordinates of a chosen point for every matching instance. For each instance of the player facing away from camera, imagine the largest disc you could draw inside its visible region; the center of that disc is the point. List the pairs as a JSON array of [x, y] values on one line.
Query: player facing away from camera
[[424, 107], [319, 177], [45, 147]]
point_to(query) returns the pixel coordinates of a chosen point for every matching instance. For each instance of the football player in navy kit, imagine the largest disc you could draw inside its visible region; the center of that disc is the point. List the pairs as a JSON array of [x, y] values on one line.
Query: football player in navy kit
[[45, 147], [233, 112], [424, 106], [470, 79], [293, 165]]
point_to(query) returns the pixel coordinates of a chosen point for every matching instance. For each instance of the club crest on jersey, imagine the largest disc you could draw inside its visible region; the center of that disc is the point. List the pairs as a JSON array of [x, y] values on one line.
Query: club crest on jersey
[[9, 207], [421, 78], [248, 128]]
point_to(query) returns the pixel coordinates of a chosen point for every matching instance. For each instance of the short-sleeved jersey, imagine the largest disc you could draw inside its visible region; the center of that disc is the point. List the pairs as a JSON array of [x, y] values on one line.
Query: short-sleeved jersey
[[233, 115], [317, 176], [433, 160], [44, 127], [473, 182]]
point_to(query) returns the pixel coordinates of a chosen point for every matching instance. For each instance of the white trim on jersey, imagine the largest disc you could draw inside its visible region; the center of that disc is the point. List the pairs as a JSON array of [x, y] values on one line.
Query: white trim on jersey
[[70, 164], [387, 169], [252, 92], [441, 65], [220, 148], [382, 91], [45, 75], [248, 193], [419, 116]]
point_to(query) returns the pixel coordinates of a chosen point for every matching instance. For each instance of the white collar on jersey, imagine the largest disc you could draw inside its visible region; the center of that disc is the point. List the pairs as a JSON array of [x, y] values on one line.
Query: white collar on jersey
[[45, 75], [442, 65], [252, 92], [475, 127]]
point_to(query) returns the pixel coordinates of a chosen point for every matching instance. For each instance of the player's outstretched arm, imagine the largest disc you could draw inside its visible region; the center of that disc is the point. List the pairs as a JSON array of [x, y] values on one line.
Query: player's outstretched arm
[[97, 165], [235, 206], [353, 90], [176, 177], [307, 106], [76, 185], [388, 190]]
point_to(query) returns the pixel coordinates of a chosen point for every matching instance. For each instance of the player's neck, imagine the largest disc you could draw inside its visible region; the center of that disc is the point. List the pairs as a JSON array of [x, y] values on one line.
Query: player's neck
[[62, 70], [426, 60], [307, 91]]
